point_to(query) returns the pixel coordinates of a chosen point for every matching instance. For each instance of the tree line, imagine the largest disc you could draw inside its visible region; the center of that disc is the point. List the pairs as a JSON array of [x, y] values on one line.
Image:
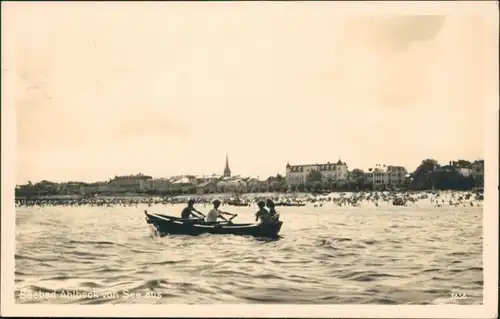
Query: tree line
[[430, 175]]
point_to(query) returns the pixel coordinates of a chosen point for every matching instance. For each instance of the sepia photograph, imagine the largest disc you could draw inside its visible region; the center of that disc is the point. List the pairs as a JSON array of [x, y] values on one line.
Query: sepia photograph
[[251, 159]]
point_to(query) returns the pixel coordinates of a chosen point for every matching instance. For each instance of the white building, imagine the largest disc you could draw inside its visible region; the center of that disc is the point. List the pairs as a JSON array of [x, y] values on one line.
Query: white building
[[330, 172], [158, 184], [382, 175], [183, 184], [377, 176], [462, 167], [397, 175], [207, 178], [465, 172]]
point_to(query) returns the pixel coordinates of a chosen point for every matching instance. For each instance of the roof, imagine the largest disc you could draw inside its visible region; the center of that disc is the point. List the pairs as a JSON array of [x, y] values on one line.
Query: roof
[[207, 177], [378, 169], [396, 166], [446, 168], [339, 162], [137, 176], [183, 180]]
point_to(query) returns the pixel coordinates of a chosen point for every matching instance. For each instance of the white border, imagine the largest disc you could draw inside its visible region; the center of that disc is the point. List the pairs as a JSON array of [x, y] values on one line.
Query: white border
[[487, 9]]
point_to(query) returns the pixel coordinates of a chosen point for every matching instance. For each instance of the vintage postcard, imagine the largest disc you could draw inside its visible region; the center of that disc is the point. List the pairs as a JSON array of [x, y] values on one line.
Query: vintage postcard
[[250, 159]]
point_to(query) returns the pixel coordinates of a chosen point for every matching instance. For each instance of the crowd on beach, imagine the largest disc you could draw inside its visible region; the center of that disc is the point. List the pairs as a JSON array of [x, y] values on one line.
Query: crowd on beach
[[361, 199]]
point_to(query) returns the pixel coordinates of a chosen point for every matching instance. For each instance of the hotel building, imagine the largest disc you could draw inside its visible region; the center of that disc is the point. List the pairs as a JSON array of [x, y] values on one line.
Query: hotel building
[[382, 175], [333, 172]]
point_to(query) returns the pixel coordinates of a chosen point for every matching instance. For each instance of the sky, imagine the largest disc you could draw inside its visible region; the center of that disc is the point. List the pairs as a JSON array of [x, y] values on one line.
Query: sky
[[169, 89]]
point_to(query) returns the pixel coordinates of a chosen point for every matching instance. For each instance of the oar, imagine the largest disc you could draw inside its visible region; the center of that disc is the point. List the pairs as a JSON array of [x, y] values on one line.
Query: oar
[[202, 215], [230, 220]]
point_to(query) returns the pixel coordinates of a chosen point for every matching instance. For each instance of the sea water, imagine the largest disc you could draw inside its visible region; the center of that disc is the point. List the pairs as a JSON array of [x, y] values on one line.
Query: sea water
[[327, 255]]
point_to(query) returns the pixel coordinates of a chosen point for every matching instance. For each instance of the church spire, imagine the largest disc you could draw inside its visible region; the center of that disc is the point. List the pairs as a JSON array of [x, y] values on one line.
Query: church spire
[[227, 171]]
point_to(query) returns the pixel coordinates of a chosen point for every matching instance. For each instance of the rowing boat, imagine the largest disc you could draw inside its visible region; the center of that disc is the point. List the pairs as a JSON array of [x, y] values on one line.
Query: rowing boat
[[169, 225]]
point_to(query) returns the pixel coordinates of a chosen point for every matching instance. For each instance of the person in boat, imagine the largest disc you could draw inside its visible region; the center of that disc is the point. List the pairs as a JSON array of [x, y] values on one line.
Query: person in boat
[[262, 213], [215, 213], [189, 210], [271, 208]]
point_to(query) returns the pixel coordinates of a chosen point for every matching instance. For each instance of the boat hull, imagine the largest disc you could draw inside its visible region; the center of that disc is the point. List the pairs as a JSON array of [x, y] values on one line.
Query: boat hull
[[168, 225]]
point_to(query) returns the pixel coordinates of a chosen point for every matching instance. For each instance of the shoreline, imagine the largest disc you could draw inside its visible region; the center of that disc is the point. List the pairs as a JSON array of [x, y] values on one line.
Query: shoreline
[[233, 195]]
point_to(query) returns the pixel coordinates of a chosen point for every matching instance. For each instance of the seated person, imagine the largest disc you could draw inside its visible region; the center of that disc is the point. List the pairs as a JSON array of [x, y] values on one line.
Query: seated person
[[215, 213], [188, 211], [271, 209], [262, 213]]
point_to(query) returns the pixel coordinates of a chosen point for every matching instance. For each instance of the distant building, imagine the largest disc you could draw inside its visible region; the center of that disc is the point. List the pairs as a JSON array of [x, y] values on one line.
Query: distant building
[[206, 188], [255, 185], [381, 176], [184, 184], [228, 184], [103, 186], [227, 171], [206, 178], [461, 164], [396, 175], [98, 187], [478, 169], [466, 172], [157, 184], [129, 182], [462, 167], [377, 176], [330, 172]]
